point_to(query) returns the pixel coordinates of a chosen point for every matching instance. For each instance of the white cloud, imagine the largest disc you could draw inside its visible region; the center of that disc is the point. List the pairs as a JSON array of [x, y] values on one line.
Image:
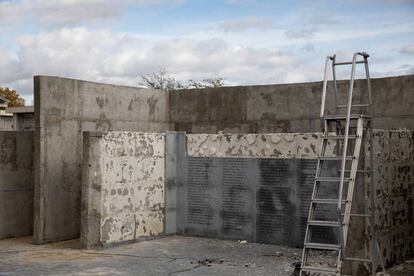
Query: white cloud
[[301, 33], [106, 56], [245, 24], [408, 49], [68, 12]]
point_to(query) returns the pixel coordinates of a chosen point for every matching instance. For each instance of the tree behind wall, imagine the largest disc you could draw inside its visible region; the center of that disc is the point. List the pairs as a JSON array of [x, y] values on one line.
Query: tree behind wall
[[162, 80], [12, 95]]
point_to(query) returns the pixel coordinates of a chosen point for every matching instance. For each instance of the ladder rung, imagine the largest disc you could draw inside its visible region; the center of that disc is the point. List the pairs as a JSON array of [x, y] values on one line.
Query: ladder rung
[[327, 201], [359, 260], [348, 62], [343, 117], [326, 246], [354, 105], [331, 179], [318, 269], [339, 137], [358, 171], [360, 215], [335, 158], [328, 223]]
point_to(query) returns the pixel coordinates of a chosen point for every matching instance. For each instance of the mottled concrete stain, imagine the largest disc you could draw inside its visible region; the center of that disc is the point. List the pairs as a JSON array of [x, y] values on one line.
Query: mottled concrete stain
[[274, 145], [132, 185], [394, 166], [8, 150]]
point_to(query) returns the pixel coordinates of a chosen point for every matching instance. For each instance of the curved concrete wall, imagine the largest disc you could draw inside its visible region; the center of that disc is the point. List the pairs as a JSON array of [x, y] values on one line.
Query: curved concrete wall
[[285, 107]]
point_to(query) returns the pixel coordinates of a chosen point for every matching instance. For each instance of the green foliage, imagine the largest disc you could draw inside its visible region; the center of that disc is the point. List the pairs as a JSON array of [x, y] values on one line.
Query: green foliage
[[12, 95]]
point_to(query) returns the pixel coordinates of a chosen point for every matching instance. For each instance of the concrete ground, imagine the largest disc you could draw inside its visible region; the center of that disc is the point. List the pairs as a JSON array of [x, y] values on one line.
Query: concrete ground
[[172, 255]]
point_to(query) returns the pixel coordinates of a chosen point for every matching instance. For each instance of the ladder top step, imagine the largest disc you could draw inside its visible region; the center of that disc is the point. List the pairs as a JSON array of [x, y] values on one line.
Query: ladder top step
[[343, 117], [319, 269], [329, 223], [348, 62]]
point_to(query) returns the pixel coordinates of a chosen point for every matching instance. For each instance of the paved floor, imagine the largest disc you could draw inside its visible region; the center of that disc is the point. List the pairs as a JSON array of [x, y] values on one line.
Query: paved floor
[[173, 255]]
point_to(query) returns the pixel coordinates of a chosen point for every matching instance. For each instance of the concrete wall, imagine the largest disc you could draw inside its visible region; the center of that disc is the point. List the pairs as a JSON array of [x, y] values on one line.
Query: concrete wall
[[16, 183], [285, 107], [6, 123], [394, 166], [64, 108], [23, 121], [122, 187]]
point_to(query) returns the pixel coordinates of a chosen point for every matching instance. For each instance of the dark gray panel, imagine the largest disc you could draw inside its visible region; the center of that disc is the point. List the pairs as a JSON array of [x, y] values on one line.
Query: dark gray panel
[[276, 201], [238, 198]]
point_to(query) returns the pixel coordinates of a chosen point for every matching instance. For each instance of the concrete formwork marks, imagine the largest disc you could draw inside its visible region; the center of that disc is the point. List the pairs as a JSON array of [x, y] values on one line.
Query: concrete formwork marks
[[132, 173], [272, 145]]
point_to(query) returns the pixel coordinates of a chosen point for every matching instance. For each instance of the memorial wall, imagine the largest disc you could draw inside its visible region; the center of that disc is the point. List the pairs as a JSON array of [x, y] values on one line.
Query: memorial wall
[[255, 187]]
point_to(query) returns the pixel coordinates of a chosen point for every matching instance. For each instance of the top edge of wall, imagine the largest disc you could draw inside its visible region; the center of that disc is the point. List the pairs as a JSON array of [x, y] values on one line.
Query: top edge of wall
[[286, 84], [95, 82]]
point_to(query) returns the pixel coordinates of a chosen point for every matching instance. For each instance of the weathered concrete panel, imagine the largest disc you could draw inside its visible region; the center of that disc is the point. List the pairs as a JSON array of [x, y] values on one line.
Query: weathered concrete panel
[[123, 178], [16, 183], [271, 145], [64, 108], [394, 166]]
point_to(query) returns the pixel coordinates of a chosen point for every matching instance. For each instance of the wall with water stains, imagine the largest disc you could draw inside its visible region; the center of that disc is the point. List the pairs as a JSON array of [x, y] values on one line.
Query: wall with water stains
[[123, 187], [394, 167]]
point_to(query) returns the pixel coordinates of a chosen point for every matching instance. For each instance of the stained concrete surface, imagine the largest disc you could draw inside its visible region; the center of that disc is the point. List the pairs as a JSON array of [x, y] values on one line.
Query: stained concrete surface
[[172, 255], [123, 186], [16, 183]]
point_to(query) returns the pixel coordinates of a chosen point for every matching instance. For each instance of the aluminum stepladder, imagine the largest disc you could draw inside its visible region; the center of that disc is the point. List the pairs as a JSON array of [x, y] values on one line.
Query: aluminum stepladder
[[345, 179]]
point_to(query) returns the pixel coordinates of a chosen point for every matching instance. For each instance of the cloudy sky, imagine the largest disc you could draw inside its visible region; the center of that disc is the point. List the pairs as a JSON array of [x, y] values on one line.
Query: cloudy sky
[[244, 41]]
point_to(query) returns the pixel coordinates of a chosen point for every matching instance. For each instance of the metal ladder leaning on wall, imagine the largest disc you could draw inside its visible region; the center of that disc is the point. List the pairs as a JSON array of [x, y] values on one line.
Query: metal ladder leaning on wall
[[347, 159]]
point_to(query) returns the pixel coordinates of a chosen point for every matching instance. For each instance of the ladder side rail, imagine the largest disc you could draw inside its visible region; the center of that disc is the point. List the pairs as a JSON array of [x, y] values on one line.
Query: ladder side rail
[[340, 237], [348, 115], [325, 83], [314, 192], [333, 58], [351, 183]]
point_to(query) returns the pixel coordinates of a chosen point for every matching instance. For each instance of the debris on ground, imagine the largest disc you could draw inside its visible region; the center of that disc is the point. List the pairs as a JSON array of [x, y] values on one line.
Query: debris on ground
[[404, 269]]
